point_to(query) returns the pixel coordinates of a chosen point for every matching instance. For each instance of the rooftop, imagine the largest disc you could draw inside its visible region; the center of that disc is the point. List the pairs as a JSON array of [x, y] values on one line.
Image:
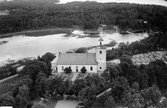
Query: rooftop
[[77, 59]]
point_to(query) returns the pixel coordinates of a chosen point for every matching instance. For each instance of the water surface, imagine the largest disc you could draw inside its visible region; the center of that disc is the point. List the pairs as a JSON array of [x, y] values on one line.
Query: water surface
[[18, 47]]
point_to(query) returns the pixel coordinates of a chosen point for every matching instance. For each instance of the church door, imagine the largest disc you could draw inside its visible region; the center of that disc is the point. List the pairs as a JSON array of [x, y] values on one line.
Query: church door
[[76, 70]]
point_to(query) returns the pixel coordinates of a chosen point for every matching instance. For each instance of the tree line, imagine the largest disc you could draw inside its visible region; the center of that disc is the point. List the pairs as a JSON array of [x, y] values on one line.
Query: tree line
[[25, 15]]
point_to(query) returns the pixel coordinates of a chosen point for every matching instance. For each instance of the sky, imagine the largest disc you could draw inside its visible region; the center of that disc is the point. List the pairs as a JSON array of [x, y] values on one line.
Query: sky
[[156, 2]]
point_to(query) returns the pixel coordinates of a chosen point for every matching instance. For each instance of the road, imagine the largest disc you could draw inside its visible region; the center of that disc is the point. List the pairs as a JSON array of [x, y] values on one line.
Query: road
[[8, 78]]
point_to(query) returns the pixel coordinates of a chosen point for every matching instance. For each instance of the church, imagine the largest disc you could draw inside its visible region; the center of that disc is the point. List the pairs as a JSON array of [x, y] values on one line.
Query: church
[[93, 62]]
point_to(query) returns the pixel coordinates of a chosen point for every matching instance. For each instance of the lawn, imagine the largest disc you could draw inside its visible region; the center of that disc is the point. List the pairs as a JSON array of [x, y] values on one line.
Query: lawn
[[51, 103]]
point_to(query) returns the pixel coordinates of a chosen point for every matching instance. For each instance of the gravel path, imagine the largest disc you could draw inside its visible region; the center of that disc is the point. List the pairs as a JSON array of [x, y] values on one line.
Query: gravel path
[[8, 78], [66, 104]]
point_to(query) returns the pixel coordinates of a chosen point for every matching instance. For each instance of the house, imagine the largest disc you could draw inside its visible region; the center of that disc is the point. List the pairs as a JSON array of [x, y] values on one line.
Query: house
[[93, 62]]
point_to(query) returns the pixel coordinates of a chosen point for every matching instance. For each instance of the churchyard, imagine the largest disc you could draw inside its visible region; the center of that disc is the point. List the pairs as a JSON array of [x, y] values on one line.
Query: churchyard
[[73, 76]]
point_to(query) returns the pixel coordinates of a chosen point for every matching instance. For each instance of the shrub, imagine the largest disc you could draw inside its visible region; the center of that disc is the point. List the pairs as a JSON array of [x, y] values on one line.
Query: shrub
[[83, 70], [67, 70]]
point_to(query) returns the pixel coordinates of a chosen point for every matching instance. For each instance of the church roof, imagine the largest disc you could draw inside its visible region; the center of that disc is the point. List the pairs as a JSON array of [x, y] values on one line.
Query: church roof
[[77, 59]]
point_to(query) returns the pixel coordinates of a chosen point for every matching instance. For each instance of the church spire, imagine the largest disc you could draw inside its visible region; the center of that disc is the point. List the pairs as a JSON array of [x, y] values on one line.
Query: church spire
[[100, 41]]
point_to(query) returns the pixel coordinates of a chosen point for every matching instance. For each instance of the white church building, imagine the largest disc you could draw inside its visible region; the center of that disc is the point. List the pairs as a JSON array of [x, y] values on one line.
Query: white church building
[[93, 62]]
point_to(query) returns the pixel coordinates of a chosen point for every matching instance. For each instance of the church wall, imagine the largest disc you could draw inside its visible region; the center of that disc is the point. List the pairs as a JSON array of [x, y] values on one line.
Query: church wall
[[79, 67], [101, 67], [101, 59], [53, 66], [100, 56]]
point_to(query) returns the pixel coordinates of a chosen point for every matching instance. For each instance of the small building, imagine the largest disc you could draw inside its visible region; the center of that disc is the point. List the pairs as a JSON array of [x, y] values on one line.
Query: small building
[[93, 62], [20, 68]]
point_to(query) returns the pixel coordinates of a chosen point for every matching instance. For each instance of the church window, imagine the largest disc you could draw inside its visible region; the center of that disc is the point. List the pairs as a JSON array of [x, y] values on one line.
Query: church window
[[62, 67], [91, 68], [76, 66], [100, 43], [100, 52], [100, 67]]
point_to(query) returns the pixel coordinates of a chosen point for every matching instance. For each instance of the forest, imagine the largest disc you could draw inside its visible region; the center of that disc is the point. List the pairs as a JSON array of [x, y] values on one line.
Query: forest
[[28, 15], [132, 86]]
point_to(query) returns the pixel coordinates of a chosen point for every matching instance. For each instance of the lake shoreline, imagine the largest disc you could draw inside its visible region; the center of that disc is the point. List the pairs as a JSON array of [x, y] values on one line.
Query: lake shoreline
[[49, 31], [39, 32]]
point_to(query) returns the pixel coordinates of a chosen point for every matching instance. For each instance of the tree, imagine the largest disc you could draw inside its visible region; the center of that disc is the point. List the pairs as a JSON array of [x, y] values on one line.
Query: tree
[[41, 75], [133, 74], [133, 100], [162, 104], [67, 70], [40, 84], [68, 87], [114, 73], [24, 92], [124, 66], [143, 81], [81, 50], [151, 96], [54, 86], [7, 100], [83, 70], [135, 87], [88, 94], [47, 58], [78, 85], [110, 103], [136, 101], [119, 86], [21, 102], [106, 76], [25, 80], [126, 58], [33, 68]]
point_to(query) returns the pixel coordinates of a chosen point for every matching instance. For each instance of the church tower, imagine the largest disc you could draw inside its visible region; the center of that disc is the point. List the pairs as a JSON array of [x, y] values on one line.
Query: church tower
[[101, 56]]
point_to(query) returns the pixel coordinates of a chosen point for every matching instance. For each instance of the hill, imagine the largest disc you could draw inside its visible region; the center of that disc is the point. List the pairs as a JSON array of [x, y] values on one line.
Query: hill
[[26, 15]]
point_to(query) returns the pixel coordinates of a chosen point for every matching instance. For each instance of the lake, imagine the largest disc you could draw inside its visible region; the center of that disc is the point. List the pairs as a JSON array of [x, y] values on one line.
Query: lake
[[18, 47]]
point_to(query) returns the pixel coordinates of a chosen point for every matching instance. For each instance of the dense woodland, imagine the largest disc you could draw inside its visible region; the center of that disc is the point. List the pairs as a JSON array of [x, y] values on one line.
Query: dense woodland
[[133, 86], [25, 15]]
